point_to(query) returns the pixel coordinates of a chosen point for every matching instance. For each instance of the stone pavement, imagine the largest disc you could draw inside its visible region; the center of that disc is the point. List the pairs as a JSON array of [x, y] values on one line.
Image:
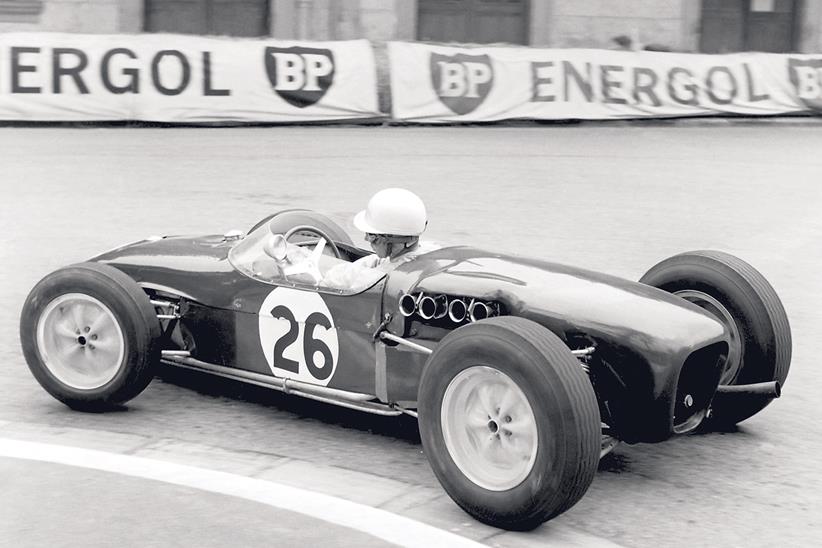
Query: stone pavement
[[62, 490], [614, 197]]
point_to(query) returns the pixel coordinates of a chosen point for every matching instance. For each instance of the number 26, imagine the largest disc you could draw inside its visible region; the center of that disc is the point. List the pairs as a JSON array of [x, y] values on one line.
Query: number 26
[[310, 345]]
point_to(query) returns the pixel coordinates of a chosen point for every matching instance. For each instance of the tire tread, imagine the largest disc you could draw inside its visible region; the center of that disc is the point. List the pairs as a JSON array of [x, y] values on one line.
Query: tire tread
[[582, 399], [145, 335], [578, 403], [767, 309]]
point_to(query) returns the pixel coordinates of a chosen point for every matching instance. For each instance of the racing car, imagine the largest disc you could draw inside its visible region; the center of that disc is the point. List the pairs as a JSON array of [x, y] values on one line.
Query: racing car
[[522, 373]]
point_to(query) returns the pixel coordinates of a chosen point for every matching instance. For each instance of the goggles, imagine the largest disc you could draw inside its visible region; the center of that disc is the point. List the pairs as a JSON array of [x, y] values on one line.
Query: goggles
[[393, 238], [372, 238]]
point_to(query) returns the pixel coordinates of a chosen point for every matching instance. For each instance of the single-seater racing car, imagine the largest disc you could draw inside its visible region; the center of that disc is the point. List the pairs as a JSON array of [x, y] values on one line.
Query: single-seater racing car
[[522, 372]]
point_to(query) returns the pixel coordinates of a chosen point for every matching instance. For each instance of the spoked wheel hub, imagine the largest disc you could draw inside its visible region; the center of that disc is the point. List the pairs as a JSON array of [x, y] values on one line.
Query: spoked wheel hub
[[489, 428], [80, 341]]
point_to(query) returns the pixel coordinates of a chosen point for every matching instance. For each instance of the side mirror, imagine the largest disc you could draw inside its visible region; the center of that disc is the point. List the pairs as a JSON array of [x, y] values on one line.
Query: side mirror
[[276, 247]]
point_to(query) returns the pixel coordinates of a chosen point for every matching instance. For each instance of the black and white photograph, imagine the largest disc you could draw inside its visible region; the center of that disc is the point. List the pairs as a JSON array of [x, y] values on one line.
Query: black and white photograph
[[419, 273]]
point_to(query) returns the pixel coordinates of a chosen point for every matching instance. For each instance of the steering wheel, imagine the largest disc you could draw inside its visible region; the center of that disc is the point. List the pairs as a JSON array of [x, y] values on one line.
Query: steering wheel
[[313, 229]]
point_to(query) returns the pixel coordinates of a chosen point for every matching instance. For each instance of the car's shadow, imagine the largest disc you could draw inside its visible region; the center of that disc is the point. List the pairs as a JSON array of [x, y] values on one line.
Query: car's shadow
[[402, 427]]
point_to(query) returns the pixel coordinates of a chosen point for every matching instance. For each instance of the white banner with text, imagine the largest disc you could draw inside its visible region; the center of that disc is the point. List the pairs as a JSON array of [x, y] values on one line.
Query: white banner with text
[[183, 79], [432, 83]]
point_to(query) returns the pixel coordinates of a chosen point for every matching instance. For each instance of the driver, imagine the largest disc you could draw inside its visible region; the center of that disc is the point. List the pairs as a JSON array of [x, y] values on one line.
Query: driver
[[392, 222]]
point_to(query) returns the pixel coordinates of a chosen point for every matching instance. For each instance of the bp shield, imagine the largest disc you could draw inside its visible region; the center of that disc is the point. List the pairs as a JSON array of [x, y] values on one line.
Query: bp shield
[[461, 81], [300, 75]]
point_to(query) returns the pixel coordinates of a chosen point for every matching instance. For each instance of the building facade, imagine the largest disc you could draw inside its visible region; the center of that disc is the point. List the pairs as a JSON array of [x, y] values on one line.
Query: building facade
[[710, 26]]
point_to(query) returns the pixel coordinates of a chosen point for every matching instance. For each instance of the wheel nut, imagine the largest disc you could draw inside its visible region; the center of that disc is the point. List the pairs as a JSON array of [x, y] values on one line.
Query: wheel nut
[[508, 418], [94, 337], [86, 329]]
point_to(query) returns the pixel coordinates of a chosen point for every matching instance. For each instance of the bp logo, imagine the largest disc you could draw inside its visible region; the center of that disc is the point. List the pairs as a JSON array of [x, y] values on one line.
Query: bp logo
[[298, 336], [301, 76], [462, 81], [806, 77]]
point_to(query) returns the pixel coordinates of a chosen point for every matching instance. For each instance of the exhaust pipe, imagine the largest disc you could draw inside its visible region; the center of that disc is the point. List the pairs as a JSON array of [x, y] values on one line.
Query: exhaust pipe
[[442, 307], [427, 307], [479, 311], [409, 303], [772, 389], [457, 310], [433, 307]]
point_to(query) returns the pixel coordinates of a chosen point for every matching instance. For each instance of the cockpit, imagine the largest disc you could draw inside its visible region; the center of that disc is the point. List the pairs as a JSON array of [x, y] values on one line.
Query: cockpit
[[305, 257]]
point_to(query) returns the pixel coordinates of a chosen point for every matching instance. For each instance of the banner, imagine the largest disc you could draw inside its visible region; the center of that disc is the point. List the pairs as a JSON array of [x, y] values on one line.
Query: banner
[[454, 84], [184, 79]]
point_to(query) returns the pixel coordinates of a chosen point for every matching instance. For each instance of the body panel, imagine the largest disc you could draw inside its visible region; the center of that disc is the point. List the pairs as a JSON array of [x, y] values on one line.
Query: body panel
[[643, 336], [225, 319], [564, 299]]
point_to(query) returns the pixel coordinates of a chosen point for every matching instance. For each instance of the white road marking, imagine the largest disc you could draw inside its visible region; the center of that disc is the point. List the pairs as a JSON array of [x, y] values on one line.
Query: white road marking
[[373, 521]]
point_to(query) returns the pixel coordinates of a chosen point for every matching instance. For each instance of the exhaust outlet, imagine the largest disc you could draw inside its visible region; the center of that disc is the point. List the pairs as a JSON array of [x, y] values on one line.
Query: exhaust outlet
[[457, 310], [427, 307], [409, 303], [442, 307], [433, 307], [772, 389], [479, 311]]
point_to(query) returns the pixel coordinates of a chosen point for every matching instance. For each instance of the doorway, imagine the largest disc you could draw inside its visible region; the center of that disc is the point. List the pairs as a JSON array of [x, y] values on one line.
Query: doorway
[[473, 21], [749, 25]]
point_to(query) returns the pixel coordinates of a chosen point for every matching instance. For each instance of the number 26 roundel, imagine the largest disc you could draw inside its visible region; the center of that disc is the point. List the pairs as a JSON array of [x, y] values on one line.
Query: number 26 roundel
[[298, 336]]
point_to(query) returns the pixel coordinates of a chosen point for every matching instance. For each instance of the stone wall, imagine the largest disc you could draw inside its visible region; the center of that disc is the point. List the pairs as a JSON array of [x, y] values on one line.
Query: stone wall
[[553, 23], [810, 27], [377, 20], [89, 16], [594, 23]]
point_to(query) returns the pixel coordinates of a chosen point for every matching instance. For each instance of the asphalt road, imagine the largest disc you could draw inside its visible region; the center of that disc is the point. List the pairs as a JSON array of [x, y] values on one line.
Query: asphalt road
[[170, 516], [614, 198]]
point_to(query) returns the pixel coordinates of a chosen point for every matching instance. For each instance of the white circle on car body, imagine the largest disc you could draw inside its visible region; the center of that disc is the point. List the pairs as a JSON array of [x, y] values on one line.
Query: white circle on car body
[[298, 336]]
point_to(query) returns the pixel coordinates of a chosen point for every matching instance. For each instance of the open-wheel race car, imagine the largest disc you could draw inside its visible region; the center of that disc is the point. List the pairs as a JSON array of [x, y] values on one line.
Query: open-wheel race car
[[522, 372]]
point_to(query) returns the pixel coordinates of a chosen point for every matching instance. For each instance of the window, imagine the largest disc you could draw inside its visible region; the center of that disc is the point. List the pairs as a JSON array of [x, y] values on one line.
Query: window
[[473, 21], [748, 25], [20, 11], [220, 17]]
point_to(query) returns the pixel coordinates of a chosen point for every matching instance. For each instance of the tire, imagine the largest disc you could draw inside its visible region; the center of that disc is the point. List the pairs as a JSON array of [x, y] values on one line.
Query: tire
[[742, 299], [282, 221], [523, 356], [83, 376]]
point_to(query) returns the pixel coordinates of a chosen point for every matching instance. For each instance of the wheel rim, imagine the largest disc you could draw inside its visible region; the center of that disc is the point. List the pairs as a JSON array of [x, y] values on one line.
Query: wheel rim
[[489, 428], [80, 341], [733, 362]]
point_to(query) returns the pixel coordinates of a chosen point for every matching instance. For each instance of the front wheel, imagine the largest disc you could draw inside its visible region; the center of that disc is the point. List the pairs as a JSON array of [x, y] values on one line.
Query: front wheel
[[742, 300], [90, 336], [509, 422]]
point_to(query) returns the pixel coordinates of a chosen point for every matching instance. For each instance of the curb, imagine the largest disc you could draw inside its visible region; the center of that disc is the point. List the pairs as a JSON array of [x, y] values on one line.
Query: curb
[[429, 506], [686, 121]]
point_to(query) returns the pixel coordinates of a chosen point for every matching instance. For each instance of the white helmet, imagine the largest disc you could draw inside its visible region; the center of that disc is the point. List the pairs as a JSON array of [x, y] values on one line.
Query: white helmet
[[393, 211]]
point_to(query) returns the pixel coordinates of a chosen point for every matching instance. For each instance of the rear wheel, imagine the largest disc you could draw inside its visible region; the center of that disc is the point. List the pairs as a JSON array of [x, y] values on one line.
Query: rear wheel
[[89, 335], [743, 300], [509, 422]]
